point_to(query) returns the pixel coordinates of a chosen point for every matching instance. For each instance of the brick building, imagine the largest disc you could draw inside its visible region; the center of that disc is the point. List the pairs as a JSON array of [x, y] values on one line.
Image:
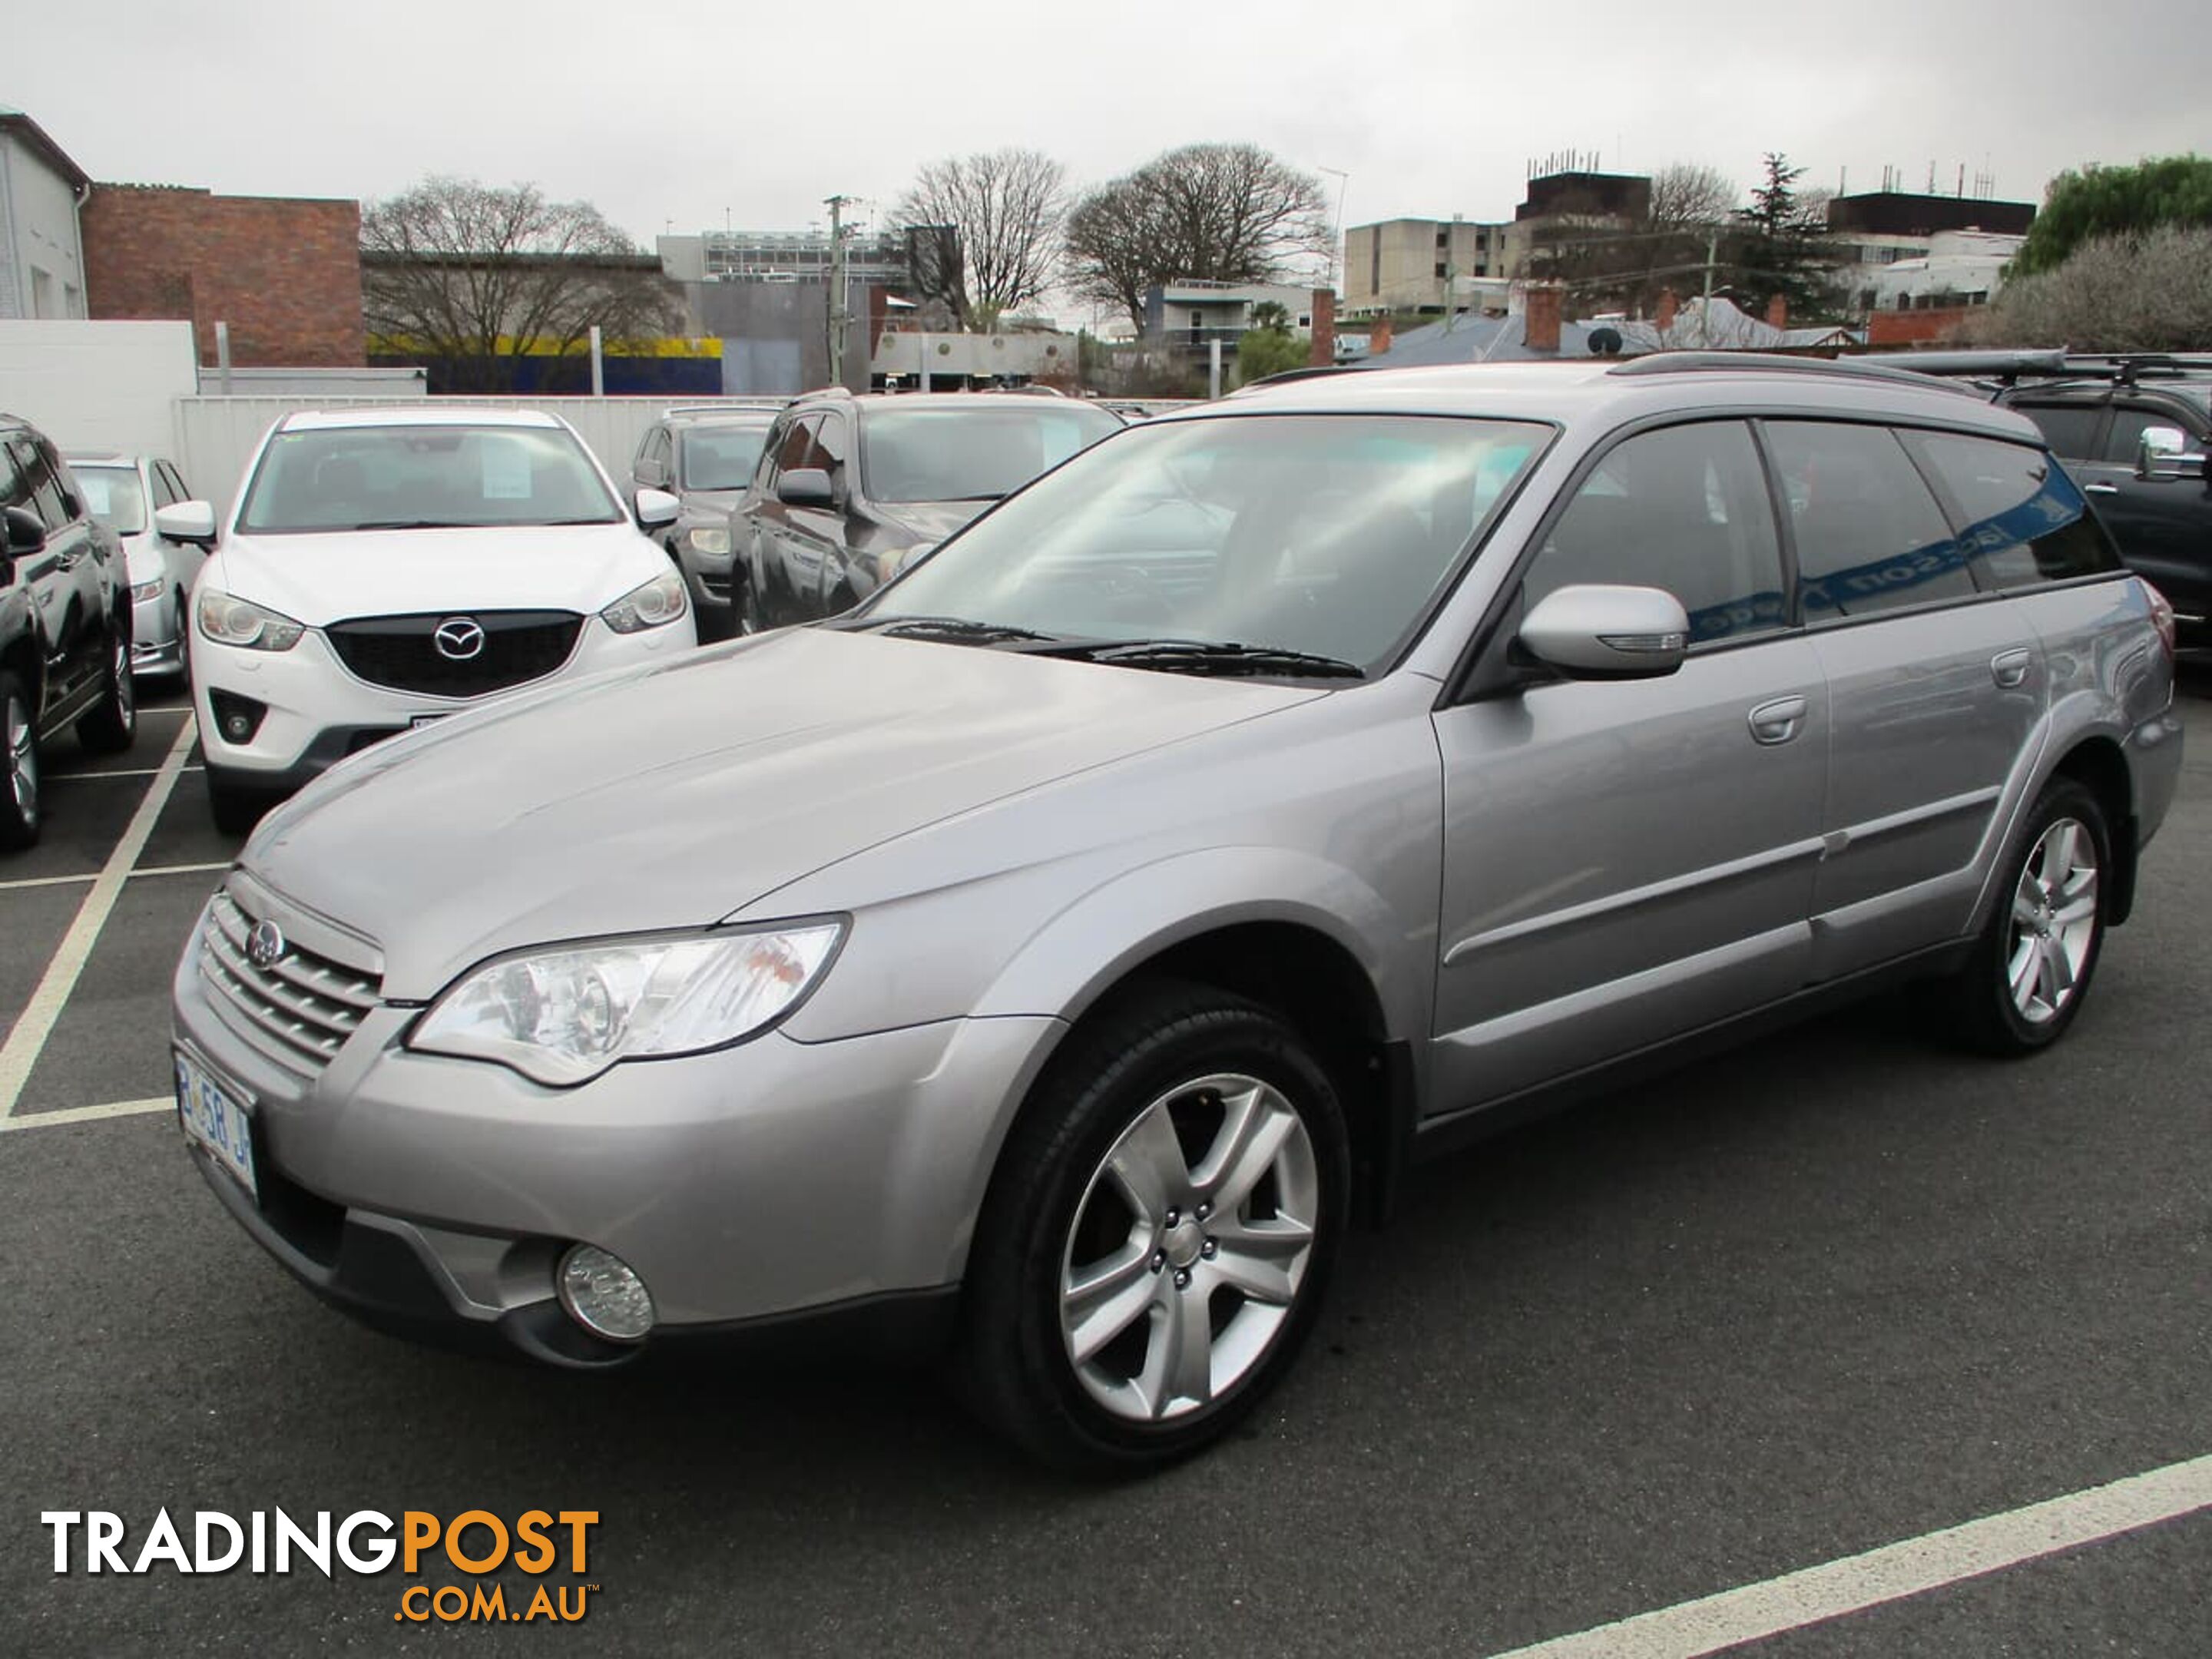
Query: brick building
[[284, 273]]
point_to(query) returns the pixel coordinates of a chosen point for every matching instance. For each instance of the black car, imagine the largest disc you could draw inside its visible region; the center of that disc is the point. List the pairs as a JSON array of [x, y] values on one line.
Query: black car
[[65, 625], [2134, 431], [704, 456], [850, 489]]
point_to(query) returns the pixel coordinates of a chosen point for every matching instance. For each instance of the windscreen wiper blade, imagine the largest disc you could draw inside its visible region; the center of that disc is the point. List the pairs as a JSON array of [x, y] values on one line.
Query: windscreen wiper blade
[[941, 628], [1221, 657], [415, 524]]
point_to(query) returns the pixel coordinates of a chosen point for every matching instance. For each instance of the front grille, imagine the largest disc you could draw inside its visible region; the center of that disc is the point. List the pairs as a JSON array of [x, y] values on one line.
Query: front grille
[[298, 1011], [402, 651]]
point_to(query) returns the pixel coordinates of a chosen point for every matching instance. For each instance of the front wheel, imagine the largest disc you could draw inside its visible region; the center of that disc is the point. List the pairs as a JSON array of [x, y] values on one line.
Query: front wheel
[[112, 724], [19, 766], [2030, 969], [1158, 1234]]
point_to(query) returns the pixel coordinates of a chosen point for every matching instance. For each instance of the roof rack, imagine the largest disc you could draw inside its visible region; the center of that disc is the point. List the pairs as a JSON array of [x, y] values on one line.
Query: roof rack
[[1999, 368], [1763, 362]]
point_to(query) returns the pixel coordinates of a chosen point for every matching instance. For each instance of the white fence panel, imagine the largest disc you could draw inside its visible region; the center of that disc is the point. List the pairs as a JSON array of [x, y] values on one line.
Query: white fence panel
[[217, 436]]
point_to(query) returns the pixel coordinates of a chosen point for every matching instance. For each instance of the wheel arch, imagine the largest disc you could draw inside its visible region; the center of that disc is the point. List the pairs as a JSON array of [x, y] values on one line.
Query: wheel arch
[[2098, 764]]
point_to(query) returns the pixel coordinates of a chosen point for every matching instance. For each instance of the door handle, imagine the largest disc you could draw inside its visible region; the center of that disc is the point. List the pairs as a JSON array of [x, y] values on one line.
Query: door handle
[[1777, 721], [2009, 668], [2100, 490]]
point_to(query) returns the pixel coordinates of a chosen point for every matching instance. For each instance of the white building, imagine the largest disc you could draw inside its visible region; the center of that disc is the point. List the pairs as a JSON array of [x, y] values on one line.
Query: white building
[[1961, 268], [41, 252]]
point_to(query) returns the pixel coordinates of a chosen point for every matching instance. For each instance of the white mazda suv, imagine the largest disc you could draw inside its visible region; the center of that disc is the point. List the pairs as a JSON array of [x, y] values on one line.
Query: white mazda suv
[[385, 568]]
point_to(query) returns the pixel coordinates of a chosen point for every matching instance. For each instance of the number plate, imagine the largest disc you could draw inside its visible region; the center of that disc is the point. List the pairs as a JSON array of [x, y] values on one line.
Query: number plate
[[214, 1119]]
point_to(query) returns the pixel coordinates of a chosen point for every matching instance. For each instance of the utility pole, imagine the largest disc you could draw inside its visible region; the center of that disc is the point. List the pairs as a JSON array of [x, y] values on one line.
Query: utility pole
[[838, 307], [1705, 311]]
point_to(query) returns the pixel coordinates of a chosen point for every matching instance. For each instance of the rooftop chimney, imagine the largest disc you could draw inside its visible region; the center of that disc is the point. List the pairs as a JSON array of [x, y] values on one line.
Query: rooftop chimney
[[1665, 316], [1378, 335], [1539, 326], [1323, 355], [1777, 312]]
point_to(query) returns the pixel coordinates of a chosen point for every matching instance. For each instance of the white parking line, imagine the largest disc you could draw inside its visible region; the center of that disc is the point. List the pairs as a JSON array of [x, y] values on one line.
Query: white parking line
[[1816, 1595], [93, 875], [36, 1023], [134, 772], [85, 1114]]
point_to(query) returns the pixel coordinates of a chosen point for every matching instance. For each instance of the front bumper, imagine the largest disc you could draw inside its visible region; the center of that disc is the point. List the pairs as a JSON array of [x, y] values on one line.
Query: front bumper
[[754, 1189], [156, 644], [317, 711]]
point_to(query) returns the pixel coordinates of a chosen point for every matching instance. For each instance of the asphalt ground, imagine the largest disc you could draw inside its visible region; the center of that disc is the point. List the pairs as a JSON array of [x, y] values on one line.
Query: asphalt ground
[[1822, 1295]]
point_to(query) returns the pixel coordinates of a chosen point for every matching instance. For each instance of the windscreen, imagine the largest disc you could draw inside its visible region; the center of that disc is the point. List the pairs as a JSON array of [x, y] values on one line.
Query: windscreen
[[721, 457], [959, 452], [412, 477], [112, 494], [1325, 534]]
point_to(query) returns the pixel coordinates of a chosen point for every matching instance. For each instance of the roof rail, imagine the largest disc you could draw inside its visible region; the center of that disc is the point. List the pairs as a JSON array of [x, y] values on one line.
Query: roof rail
[[728, 406], [1763, 362]]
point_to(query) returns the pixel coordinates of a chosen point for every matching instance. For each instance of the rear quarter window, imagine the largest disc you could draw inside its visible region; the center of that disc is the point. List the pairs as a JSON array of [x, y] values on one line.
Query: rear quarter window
[[2024, 522]]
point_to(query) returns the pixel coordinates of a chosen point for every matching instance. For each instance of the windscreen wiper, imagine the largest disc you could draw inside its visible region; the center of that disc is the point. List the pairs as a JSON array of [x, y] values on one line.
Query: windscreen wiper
[[941, 628], [1217, 657], [416, 524]]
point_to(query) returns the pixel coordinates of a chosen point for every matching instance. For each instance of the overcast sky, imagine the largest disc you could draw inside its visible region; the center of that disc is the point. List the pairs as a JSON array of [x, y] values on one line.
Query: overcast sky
[[672, 115]]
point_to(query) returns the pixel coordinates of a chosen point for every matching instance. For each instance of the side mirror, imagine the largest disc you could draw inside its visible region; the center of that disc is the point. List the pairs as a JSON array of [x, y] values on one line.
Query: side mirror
[[1604, 633], [2162, 451], [190, 522], [650, 474], [656, 509], [805, 486], [27, 531]]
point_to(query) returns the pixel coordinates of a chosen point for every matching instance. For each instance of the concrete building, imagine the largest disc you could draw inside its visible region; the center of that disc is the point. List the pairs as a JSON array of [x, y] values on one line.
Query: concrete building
[[41, 244], [1412, 265], [1191, 314], [877, 258], [283, 273]]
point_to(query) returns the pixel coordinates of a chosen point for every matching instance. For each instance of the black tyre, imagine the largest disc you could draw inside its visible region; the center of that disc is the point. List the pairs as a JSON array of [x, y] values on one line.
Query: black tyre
[[235, 807], [112, 724], [19, 766], [1158, 1236], [2030, 968]]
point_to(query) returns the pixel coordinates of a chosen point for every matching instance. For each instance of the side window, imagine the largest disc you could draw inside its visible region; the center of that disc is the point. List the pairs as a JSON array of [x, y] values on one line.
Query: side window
[[64, 480], [44, 489], [797, 450], [2025, 521], [1685, 508], [164, 493], [2128, 424], [175, 480], [14, 492], [2070, 429], [831, 445], [1870, 536]]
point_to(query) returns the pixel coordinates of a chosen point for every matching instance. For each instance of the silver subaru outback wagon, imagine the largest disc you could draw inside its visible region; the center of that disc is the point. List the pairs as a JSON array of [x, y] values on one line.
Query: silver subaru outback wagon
[[1044, 964]]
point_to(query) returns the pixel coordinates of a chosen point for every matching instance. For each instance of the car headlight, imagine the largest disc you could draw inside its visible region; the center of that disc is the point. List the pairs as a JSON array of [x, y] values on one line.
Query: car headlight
[[654, 604], [142, 591], [563, 1017], [712, 540], [904, 558], [229, 620]]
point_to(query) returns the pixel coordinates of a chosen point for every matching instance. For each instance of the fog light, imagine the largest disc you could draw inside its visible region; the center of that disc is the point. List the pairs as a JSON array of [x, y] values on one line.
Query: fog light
[[604, 1294], [237, 718]]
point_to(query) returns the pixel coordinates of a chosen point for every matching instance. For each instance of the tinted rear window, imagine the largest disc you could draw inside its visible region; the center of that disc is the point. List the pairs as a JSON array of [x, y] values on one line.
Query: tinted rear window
[[1870, 537], [2070, 429], [2025, 523]]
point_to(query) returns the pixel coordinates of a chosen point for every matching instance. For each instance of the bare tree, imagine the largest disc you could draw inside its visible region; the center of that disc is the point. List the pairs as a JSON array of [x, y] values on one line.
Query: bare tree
[[1226, 213], [1006, 208], [1685, 196], [2151, 292], [474, 276]]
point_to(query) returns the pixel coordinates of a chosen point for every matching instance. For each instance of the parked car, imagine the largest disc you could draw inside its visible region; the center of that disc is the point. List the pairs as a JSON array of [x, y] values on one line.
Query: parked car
[[125, 492], [64, 626], [1047, 961], [704, 456], [851, 488], [2134, 430], [385, 568]]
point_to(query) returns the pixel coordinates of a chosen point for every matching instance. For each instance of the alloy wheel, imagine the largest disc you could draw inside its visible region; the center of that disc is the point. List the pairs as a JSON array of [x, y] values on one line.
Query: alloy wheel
[[1189, 1248], [22, 760], [2054, 921]]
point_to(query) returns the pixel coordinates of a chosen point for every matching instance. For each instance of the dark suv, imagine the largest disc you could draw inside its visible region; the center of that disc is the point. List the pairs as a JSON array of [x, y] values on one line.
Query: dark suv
[[2097, 413], [65, 624], [704, 456], [851, 488]]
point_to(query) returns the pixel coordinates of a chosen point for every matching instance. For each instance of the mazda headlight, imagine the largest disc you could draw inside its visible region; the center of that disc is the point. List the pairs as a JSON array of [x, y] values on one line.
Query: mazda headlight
[[229, 620], [654, 604], [142, 591], [712, 540], [562, 1017]]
